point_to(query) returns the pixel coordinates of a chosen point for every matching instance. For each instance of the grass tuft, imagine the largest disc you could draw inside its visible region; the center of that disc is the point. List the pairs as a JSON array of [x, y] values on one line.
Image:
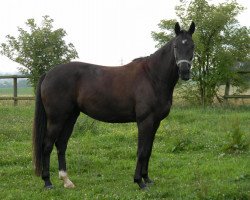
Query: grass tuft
[[237, 142]]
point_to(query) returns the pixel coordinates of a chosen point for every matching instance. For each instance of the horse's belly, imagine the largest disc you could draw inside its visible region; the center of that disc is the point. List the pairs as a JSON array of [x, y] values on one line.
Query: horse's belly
[[114, 119], [111, 117], [109, 113]]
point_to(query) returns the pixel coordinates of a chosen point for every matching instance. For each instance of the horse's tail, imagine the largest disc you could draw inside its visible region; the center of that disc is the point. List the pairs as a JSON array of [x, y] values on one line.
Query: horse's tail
[[39, 129]]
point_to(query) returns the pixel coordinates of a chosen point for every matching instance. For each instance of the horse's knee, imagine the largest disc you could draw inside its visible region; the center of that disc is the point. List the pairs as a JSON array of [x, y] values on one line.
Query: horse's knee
[[47, 149]]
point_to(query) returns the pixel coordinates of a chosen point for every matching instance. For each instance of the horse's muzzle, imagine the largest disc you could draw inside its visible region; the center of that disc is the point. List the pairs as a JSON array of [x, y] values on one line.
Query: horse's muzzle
[[184, 71], [185, 77]]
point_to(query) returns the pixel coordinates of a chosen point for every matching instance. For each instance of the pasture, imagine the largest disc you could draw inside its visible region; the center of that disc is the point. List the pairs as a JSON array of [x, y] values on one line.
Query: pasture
[[24, 91], [198, 154]]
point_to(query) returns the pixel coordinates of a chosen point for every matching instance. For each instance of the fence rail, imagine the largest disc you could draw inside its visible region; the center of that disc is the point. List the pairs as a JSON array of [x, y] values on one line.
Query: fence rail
[[18, 98], [227, 89], [15, 98], [13, 76], [237, 96]]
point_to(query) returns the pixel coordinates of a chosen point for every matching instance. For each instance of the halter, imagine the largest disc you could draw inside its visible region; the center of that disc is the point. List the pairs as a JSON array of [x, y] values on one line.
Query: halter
[[184, 61], [180, 61]]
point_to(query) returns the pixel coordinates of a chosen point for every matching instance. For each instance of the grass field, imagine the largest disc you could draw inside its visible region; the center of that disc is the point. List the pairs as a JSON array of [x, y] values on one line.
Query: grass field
[[26, 91], [198, 154]]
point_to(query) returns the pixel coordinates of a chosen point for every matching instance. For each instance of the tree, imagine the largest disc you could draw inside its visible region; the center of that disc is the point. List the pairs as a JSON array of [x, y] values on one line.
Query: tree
[[38, 49], [221, 43]]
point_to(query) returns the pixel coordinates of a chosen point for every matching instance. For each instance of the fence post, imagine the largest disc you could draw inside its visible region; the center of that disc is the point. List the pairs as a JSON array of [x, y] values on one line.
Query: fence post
[[227, 89], [15, 90]]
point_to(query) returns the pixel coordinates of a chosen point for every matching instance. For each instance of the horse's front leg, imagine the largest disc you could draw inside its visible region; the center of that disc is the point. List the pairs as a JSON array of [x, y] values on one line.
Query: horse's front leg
[[146, 133]]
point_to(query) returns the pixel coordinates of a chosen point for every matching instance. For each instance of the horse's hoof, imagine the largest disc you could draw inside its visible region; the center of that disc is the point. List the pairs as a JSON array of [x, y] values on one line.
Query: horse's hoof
[[148, 181], [69, 184], [48, 187], [142, 186]]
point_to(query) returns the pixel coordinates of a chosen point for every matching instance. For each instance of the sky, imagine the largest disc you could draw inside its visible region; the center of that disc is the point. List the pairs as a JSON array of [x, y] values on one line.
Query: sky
[[105, 32]]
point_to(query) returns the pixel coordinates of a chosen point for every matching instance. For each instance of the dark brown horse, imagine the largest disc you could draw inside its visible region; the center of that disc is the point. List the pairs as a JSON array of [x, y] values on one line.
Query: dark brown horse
[[140, 92]]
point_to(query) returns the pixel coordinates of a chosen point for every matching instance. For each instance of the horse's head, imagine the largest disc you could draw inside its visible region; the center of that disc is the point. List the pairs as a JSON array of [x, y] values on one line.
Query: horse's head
[[184, 50]]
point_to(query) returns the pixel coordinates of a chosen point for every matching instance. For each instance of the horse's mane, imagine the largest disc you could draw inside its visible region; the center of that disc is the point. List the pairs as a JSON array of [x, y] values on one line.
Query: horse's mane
[[140, 59]]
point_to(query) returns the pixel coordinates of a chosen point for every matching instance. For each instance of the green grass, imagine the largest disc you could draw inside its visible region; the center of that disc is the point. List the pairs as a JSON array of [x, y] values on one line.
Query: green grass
[[27, 91], [188, 159]]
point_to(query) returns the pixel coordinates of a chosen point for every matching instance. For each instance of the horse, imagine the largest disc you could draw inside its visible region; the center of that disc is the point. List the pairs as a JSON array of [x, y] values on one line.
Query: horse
[[140, 91]]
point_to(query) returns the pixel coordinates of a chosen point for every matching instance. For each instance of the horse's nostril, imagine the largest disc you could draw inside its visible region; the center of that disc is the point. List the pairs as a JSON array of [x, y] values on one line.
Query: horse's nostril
[[185, 76]]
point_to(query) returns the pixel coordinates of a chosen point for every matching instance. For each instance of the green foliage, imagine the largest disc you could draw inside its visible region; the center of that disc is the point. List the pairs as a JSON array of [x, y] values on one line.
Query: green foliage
[[190, 87], [38, 49], [166, 34], [221, 43]]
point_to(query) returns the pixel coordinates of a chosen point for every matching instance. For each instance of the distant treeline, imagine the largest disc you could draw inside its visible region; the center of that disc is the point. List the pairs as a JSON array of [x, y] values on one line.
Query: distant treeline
[[8, 83]]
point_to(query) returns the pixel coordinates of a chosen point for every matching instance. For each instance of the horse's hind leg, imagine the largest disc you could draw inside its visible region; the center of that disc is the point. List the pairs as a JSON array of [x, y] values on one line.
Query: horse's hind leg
[[53, 130], [61, 145]]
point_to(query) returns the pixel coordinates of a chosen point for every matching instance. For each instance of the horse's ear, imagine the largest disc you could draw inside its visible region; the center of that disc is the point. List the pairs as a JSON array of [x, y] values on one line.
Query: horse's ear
[[177, 29], [192, 28]]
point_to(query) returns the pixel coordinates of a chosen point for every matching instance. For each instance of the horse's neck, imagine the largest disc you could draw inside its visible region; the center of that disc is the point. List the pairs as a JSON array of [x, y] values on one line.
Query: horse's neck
[[162, 67]]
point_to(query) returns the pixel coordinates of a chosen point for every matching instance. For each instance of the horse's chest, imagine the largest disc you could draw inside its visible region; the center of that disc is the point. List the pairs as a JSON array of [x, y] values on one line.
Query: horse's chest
[[162, 109]]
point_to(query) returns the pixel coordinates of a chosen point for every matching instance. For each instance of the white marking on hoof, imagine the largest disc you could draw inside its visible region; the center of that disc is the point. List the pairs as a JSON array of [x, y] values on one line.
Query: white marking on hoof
[[64, 176], [68, 184]]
